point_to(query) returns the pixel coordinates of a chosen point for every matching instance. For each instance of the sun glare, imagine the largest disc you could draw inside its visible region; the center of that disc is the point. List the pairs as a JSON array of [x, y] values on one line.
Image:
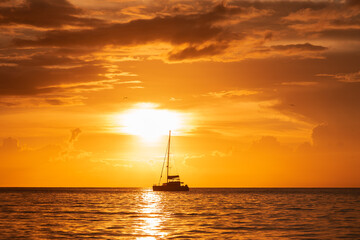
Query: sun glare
[[150, 123]]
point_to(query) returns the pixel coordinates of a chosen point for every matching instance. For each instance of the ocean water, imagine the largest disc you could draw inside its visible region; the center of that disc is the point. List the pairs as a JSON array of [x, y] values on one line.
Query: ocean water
[[134, 213]]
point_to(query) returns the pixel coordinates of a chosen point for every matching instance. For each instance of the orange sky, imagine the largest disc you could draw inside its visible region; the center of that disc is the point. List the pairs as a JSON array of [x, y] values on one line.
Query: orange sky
[[257, 93]]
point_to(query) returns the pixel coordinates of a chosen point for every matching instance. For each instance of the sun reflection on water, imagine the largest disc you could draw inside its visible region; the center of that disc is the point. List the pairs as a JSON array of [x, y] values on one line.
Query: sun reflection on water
[[150, 224]]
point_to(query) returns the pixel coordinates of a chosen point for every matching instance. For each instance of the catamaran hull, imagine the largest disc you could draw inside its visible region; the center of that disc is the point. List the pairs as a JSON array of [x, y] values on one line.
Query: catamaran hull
[[170, 188]]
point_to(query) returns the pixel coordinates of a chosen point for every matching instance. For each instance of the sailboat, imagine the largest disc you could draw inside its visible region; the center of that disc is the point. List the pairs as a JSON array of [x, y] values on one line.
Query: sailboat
[[172, 181]]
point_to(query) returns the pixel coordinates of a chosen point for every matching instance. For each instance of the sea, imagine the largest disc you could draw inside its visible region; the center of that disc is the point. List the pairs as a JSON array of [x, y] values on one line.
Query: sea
[[201, 213]]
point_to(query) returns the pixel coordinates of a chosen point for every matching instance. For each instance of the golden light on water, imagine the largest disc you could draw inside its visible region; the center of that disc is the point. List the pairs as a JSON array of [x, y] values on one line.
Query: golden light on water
[[150, 225], [148, 122]]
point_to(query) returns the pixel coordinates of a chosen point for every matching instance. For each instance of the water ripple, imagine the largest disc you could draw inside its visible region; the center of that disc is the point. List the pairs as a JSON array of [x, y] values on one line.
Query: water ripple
[[126, 213]]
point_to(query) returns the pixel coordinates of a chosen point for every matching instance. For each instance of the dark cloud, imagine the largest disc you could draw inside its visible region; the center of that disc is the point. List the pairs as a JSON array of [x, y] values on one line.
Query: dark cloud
[[179, 29], [194, 52], [239, 30], [205, 34], [353, 2], [28, 79], [335, 20], [344, 77], [45, 13], [54, 78], [299, 47], [304, 50], [40, 59], [53, 101]]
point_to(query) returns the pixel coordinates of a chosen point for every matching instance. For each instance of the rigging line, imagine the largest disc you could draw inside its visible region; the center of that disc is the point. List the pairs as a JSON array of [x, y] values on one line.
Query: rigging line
[[162, 169]]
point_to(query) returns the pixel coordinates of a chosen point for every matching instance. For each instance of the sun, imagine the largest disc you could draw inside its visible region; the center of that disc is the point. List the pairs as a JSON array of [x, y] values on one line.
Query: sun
[[148, 122]]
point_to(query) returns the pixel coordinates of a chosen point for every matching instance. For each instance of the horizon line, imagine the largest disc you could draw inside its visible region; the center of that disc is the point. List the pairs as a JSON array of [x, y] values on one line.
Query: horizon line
[[200, 187]]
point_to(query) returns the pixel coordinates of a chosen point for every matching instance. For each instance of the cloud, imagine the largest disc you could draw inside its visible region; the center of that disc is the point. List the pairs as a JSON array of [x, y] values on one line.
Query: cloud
[[19, 156], [21, 58], [332, 106], [198, 52], [75, 58], [274, 160], [268, 145], [29, 80], [232, 93], [45, 13], [192, 36], [221, 154], [331, 137], [353, 3], [47, 165], [52, 78], [10, 145], [88, 86], [178, 29], [305, 84], [62, 62], [344, 77], [298, 47], [74, 135], [302, 50], [332, 20], [39, 101], [69, 152], [195, 34]]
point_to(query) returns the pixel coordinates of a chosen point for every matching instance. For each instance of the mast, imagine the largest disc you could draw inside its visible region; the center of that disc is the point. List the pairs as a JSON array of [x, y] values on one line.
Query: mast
[[168, 159]]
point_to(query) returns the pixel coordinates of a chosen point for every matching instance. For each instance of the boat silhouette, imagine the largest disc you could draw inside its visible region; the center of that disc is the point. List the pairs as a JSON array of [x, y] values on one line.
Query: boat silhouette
[[173, 182]]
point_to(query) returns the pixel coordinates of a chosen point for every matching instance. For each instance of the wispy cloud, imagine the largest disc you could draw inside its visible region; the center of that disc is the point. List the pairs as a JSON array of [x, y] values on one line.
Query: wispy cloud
[[45, 13], [343, 77], [232, 93]]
